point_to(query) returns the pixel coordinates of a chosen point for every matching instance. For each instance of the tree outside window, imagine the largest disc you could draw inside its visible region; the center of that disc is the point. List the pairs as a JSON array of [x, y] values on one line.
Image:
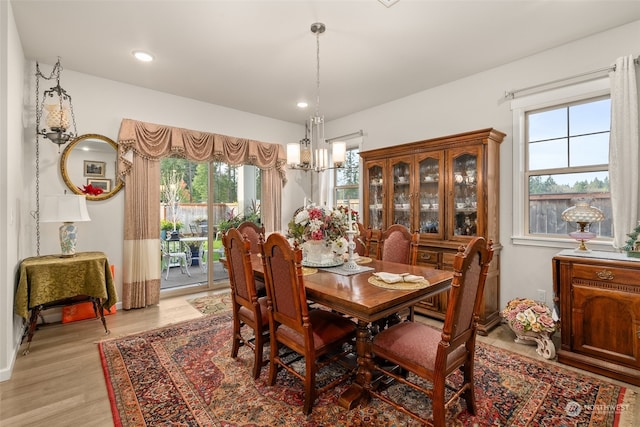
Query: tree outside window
[[347, 179]]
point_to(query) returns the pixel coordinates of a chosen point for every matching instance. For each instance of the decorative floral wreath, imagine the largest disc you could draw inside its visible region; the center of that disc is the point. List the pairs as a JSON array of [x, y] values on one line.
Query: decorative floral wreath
[[528, 315]]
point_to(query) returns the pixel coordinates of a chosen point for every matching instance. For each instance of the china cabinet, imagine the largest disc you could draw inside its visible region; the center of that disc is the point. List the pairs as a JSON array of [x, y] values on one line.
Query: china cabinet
[[448, 190], [598, 295]]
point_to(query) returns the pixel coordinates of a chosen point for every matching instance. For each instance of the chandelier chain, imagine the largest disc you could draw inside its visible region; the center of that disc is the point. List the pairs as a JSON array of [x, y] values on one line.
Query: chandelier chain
[[54, 73], [317, 74], [38, 116]]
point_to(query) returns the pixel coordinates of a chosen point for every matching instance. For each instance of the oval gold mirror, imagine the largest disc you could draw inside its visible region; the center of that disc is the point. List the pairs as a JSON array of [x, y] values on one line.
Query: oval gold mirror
[[91, 160]]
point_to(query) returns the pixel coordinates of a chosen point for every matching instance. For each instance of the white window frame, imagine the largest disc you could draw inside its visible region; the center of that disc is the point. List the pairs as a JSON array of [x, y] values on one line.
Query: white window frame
[[335, 175], [520, 107]]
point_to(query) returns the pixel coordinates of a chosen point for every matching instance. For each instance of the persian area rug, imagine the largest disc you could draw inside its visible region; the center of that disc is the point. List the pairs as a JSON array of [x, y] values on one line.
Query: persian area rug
[[183, 375], [212, 304]]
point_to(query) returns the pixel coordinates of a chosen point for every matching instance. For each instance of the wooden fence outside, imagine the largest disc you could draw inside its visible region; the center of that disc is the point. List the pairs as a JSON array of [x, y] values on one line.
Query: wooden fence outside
[[545, 214]]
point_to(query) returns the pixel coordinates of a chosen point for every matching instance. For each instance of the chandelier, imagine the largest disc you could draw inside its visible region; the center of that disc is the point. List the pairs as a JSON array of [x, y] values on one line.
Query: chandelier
[[310, 152], [56, 107]]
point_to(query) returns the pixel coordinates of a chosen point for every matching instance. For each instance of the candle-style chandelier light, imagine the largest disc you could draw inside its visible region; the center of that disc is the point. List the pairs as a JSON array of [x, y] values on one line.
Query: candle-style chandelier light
[[310, 152]]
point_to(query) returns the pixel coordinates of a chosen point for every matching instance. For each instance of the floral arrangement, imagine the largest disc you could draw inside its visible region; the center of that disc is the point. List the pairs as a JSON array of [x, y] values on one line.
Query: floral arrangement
[[320, 223], [528, 315]]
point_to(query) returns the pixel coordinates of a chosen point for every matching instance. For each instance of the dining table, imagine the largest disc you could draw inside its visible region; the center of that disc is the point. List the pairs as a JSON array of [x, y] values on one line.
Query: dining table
[[354, 294]]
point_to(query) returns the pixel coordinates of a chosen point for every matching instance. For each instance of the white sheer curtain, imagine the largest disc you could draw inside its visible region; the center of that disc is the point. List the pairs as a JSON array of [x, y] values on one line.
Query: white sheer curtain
[[624, 152]]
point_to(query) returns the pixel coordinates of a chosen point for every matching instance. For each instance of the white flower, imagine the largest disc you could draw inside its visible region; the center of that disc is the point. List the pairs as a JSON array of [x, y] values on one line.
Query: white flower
[[302, 217], [530, 315], [340, 246]]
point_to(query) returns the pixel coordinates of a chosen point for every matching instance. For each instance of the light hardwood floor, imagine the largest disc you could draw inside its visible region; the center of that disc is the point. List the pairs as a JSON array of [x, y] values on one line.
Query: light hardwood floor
[[60, 382]]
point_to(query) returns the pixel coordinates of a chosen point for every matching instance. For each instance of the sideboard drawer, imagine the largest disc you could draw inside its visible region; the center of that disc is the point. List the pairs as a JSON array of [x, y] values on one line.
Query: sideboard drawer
[[604, 273]]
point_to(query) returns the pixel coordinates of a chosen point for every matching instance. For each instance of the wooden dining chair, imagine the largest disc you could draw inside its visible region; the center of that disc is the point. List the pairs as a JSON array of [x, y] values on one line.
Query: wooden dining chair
[[253, 232], [315, 334], [398, 244], [248, 309], [363, 240], [432, 354]]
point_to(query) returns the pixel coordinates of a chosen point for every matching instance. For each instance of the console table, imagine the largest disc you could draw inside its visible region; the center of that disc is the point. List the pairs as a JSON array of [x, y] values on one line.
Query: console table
[[53, 281], [599, 300]]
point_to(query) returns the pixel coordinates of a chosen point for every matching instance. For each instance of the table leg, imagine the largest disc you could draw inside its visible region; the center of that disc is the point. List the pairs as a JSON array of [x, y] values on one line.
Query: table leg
[[33, 322], [359, 390], [101, 309]]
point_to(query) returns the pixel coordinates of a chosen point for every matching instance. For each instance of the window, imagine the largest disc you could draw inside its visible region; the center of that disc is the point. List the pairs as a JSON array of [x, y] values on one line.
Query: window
[[347, 179], [561, 144]]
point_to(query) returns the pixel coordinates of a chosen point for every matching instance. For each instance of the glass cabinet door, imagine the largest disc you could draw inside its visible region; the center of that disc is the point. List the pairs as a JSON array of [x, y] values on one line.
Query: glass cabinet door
[[465, 166], [401, 193], [429, 199], [374, 195]]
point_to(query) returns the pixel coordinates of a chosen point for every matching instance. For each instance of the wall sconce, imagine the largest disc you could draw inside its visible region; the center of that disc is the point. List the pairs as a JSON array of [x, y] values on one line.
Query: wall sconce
[[66, 208], [55, 109], [583, 214]]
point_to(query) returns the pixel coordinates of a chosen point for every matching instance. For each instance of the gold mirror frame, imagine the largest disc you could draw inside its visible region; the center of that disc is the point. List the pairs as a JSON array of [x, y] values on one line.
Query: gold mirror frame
[[117, 183]]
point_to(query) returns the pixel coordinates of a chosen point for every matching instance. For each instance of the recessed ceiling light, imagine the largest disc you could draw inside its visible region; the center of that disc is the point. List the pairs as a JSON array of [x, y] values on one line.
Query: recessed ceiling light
[[142, 56], [302, 104]]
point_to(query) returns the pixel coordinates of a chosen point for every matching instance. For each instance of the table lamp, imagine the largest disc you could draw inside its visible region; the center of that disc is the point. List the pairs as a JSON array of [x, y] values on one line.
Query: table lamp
[[65, 208], [583, 214]]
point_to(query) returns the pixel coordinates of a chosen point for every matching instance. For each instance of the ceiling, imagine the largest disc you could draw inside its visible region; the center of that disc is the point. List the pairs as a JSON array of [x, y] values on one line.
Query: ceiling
[[260, 56]]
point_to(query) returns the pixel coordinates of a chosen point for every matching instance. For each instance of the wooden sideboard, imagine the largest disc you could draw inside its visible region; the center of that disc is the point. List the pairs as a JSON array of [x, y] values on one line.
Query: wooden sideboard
[[447, 189], [598, 295]]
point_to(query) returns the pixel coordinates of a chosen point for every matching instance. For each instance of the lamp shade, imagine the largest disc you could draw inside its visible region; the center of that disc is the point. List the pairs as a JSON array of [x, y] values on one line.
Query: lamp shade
[[293, 153], [339, 152], [64, 208], [582, 212]]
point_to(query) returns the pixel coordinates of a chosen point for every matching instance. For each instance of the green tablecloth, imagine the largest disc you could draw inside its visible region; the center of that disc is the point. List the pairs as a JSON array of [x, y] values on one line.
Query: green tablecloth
[[50, 278]]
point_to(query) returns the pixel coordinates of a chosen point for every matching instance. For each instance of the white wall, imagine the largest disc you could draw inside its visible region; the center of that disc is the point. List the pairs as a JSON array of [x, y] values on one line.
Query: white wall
[[476, 102], [11, 183]]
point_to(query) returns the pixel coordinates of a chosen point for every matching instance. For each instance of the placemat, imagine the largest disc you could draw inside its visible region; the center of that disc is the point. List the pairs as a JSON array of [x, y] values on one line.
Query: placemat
[[364, 260], [343, 271], [308, 270], [398, 285]]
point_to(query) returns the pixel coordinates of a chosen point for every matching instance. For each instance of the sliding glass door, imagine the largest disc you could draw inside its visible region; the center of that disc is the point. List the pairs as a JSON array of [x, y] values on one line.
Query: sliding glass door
[[199, 201]]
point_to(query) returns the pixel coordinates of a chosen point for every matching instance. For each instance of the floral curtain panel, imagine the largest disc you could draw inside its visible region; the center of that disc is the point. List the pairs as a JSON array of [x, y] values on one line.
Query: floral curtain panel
[[141, 146]]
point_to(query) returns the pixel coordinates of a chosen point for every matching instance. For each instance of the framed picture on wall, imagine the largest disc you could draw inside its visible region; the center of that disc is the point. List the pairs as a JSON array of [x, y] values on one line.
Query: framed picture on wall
[[104, 184], [93, 168]]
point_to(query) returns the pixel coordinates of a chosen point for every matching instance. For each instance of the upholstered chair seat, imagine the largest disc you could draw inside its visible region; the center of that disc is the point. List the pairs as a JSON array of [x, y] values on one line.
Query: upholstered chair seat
[[327, 329], [431, 354]]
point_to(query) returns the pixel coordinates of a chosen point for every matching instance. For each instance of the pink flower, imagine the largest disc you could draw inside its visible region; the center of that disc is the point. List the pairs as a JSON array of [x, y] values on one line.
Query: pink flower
[[539, 309], [315, 213]]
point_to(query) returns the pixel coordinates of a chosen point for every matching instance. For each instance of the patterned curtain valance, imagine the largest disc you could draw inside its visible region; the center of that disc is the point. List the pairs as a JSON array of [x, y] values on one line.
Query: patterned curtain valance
[[152, 141]]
